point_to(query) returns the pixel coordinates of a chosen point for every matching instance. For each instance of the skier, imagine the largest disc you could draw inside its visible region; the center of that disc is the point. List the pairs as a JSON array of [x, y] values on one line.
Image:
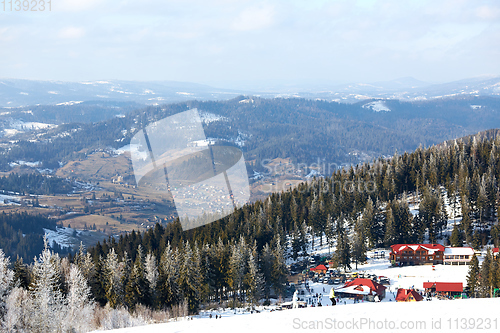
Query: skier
[[332, 297]]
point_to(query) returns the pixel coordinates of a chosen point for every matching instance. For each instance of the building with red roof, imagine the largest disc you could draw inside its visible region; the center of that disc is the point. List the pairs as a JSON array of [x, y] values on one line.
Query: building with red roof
[[495, 251], [361, 289], [417, 254], [444, 288], [408, 295], [319, 269]]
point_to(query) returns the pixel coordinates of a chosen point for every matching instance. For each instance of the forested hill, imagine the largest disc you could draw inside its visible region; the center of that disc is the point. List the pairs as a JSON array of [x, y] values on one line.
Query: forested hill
[[356, 209], [303, 130]]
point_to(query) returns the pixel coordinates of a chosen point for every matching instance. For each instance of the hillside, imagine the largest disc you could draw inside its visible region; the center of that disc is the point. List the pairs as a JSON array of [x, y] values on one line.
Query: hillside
[[449, 316]]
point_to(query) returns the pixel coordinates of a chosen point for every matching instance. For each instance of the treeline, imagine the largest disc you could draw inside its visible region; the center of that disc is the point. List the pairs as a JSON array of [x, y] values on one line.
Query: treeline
[[21, 234], [160, 269], [34, 183]]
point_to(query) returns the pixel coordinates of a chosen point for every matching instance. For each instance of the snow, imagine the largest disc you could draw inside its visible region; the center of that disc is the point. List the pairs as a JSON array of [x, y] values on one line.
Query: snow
[[23, 126], [30, 164], [464, 251], [422, 316], [70, 103], [376, 106], [208, 117], [9, 200]]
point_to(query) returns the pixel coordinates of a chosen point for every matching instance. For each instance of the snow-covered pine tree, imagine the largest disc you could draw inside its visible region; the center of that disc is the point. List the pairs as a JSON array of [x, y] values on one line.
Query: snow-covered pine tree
[[236, 271], [113, 279], [167, 287], [151, 275], [80, 305], [254, 279], [47, 301], [188, 277], [6, 279]]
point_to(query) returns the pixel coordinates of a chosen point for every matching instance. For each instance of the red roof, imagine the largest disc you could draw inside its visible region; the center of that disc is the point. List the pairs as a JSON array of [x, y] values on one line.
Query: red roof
[[397, 248], [319, 268], [403, 294], [374, 286], [495, 250], [445, 286]]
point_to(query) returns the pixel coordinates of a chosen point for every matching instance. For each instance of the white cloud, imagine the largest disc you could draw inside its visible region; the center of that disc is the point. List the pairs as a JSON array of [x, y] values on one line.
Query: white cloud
[[488, 12], [254, 18], [76, 5], [71, 33]]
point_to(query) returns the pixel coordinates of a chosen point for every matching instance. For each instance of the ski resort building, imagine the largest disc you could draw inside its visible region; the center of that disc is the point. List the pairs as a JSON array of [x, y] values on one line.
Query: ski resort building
[[444, 288], [458, 255], [361, 289], [408, 295], [417, 254]]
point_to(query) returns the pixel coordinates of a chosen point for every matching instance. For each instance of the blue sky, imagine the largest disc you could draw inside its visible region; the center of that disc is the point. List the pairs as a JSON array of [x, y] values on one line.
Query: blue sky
[[238, 42]]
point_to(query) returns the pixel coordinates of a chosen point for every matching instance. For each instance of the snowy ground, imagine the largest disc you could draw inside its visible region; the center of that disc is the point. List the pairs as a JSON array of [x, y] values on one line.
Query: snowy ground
[[435, 316]]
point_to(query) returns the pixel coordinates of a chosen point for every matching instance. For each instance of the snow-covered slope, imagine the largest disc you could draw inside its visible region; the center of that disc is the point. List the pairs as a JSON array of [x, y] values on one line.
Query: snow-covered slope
[[471, 315]]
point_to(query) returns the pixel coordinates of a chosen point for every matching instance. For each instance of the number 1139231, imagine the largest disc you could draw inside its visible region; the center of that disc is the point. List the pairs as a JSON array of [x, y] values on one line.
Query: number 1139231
[[26, 5]]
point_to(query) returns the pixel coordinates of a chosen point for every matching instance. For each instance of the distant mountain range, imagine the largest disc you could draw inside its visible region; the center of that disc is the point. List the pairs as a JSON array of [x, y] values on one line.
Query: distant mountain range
[[16, 93]]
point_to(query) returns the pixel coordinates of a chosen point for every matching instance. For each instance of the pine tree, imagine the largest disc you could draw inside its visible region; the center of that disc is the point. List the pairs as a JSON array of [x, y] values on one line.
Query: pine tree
[[279, 270], [188, 279], [343, 250], [113, 283], [254, 279], [168, 289], [80, 309], [484, 279], [457, 237], [359, 243], [6, 279], [137, 289], [473, 276], [151, 271], [48, 303]]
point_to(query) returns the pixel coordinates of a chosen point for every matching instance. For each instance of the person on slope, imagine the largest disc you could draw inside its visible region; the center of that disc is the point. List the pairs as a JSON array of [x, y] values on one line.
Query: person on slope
[[332, 297]]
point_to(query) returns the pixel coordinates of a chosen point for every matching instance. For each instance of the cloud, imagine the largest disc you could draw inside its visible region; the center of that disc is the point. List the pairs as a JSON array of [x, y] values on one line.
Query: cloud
[[254, 18], [488, 12], [71, 33], [76, 5]]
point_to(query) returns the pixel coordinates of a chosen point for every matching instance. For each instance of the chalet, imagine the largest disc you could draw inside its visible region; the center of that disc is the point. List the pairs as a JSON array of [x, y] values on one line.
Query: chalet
[[417, 254], [361, 289], [495, 251], [408, 295], [444, 288], [320, 269], [458, 255]]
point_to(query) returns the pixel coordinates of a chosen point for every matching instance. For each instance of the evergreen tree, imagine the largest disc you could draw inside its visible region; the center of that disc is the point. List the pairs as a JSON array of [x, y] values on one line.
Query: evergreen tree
[[343, 250], [168, 288], [473, 276], [484, 275], [137, 288]]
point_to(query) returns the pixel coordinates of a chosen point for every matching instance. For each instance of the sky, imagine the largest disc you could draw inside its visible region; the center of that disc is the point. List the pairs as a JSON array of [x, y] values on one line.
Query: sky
[[250, 43]]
